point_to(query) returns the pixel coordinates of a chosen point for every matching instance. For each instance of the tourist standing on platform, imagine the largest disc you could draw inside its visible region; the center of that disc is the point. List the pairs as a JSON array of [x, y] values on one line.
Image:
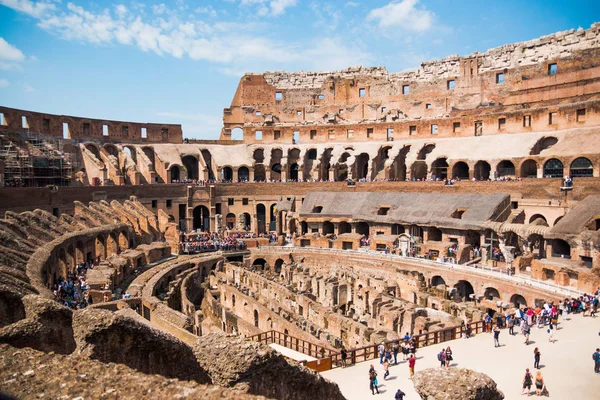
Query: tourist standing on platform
[[442, 358], [396, 348], [536, 358], [527, 381], [539, 384], [596, 358], [399, 395], [405, 351], [496, 336], [411, 365], [511, 325], [449, 357], [550, 333], [488, 323], [344, 356], [373, 380], [526, 332], [381, 349], [386, 369]]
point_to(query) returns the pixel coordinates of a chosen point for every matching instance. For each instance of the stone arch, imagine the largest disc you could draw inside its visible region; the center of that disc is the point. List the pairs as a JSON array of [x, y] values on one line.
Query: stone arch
[[517, 300], [311, 154], [529, 169], [246, 220], [292, 226], [190, 163], [123, 241], [553, 168], [560, 248], [130, 151], [62, 263], [535, 217], [259, 155], [363, 229], [362, 166], [260, 264], [558, 219], [582, 167], [425, 150], [439, 168], [175, 172], [397, 170], [482, 170], [278, 265], [542, 144], [149, 152], [243, 174], [227, 174], [230, 221], [418, 170], [111, 244], [92, 148], [460, 170], [505, 168], [237, 134], [79, 253], [100, 247], [293, 176], [303, 227], [344, 227], [491, 293], [464, 290], [112, 150], [259, 173], [328, 228], [437, 280], [201, 218]]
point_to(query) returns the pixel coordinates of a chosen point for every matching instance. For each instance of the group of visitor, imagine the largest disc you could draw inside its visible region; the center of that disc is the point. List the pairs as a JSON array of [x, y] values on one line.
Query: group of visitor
[[73, 291], [206, 241]]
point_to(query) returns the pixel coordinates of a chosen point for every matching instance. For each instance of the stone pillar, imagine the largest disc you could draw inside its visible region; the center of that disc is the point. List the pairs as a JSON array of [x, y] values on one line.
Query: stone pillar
[[331, 173], [300, 174], [251, 175]]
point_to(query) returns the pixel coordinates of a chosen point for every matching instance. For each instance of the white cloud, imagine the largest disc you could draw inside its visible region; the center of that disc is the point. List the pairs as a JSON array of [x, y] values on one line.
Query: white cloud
[[9, 52], [352, 4], [121, 11], [270, 7], [208, 10], [3, 83], [35, 9], [278, 6], [402, 14], [27, 88]]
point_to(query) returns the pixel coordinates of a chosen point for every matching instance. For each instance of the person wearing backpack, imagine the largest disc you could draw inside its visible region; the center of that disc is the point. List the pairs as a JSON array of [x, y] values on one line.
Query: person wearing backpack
[[596, 358], [373, 380], [399, 395], [527, 382], [442, 358], [496, 336]]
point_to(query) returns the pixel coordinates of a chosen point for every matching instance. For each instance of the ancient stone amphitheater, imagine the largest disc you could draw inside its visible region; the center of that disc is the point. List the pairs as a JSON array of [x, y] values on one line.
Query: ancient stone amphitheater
[[338, 208]]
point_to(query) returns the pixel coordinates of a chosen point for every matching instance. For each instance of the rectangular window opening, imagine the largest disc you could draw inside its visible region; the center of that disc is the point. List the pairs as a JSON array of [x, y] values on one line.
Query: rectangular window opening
[[66, 134], [298, 112], [169, 203], [362, 92], [350, 133], [478, 128], [154, 203], [552, 69], [428, 106], [341, 111], [276, 135], [230, 201], [24, 123], [86, 128], [383, 109], [258, 113], [581, 115], [405, 89], [501, 123], [258, 135], [456, 127], [144, 133], [552, 118], [278, 96], [412, 130], [499, 78], [2, 123], [451, 84], [331, 134], [164, 132], [390, 134], [369, 132], [321, 97], [296, 137], [383, 210], [244, 201], [46, 124], [313, 134], [104, 130], [125, 131], [434, 129], [526, 121]]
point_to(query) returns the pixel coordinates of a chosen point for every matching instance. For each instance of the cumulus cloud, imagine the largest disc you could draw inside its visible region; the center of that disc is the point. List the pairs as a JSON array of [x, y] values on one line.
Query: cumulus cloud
[[3, 83], [35, 9], [270, 7], [9, 52], [403, 14]]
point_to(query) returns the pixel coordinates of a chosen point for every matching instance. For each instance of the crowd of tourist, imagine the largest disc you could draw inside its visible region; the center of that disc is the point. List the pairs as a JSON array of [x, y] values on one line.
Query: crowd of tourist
[[201, 242], [73, 291]]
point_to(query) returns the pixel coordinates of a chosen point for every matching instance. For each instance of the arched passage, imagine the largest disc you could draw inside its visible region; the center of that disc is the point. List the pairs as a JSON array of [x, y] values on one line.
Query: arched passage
[[418, 170], [529, 169], [112, 150], [481, 172], [230, 221], [227, 174], [460, 170], [62, 263], [435, 234], [261, 218], [201, 218], [303, 227], [344, 227], [130, 152], [111, 244], [293, 172], [123, 241], [362, 166], [464, 290], [100, 247], [175, 173], [247, 221], [553, 168], [327, 228], [439, 169], [278, 265], [505, 168], [517, 300], [92, 148], [491, 294], [260, 264], [243, 174], [582, 167], [536, 217], [397, 229], [190, 163], [363, 229], [79, 253], [437, 281], [149, 152], [259, 173]]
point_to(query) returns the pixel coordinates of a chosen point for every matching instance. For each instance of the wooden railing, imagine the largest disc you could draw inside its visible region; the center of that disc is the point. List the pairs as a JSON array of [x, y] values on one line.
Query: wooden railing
[[328, 359]]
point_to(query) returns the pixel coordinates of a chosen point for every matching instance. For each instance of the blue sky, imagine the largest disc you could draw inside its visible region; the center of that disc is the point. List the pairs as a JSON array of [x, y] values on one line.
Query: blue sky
[[180, 61]]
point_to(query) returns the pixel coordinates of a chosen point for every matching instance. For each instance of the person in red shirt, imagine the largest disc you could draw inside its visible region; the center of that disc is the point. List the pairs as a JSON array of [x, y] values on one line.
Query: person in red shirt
[[411, 365]]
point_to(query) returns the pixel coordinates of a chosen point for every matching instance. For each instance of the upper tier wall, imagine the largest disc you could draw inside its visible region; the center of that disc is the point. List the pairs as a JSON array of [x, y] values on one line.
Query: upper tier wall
[[69, 127]]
